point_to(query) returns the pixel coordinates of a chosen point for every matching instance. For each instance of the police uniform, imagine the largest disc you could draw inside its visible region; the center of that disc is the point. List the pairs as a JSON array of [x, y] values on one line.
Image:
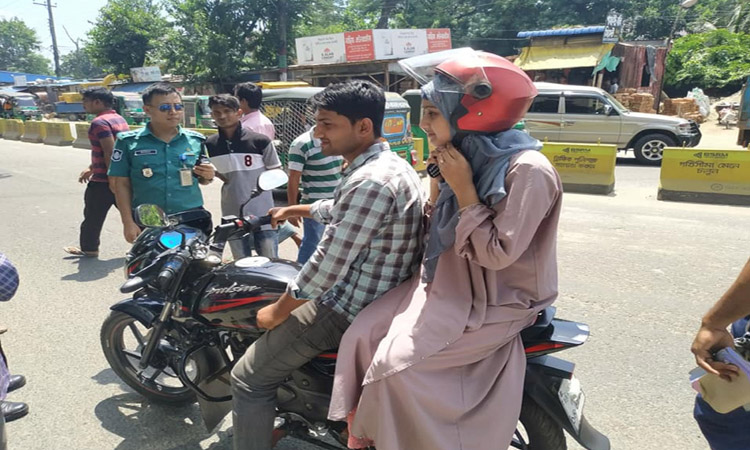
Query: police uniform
[[160, 173]]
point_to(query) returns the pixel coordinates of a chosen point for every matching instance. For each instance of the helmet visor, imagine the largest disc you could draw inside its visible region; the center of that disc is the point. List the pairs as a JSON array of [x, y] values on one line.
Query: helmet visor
[[463, 65]]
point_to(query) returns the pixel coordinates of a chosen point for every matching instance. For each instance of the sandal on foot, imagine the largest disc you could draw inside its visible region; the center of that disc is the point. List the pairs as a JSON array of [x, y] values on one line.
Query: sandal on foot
[[76, 251]]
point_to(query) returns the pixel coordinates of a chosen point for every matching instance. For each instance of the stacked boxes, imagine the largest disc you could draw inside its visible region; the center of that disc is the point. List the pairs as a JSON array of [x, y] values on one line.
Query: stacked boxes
[[636, 101], [686, 108]]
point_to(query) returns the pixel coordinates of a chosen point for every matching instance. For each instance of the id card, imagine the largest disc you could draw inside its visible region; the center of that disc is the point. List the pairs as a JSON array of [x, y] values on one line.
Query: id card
[[186, 177]]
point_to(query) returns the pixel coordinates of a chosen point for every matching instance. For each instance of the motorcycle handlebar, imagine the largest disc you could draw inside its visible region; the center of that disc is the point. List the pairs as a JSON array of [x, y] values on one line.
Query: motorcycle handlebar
[[226, 230], [252, 223]]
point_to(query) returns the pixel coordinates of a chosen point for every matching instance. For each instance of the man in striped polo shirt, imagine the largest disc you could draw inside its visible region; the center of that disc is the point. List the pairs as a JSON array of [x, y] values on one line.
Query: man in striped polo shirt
[[319, 176], [98, 198], [240, 157]]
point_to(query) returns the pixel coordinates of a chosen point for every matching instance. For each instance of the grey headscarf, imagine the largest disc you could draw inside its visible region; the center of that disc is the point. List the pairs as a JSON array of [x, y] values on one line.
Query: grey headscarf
[[489, 158]]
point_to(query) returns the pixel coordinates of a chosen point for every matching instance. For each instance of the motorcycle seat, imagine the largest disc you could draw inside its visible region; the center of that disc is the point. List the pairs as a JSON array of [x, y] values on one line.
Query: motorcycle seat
[[543, 320]]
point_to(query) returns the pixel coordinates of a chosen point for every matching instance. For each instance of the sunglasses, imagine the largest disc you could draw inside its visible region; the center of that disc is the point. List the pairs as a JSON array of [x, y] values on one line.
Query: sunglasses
[[166, 107]]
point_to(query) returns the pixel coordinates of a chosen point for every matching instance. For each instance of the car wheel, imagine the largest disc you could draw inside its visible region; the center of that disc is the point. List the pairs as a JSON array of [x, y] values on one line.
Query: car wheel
[[649, 149]]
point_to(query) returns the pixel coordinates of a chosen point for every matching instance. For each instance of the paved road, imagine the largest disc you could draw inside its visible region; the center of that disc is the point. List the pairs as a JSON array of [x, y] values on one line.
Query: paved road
[[638, 271]]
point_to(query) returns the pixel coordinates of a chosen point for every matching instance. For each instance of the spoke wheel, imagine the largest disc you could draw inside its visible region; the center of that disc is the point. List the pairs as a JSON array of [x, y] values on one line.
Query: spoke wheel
[[123, 339]]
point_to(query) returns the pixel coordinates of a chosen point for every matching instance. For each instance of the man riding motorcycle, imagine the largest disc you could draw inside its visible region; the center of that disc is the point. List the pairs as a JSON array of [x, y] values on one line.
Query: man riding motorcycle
[[371, 244]]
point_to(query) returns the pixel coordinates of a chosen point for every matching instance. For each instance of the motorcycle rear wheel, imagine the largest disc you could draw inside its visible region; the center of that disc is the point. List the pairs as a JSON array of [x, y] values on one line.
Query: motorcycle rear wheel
[[157, 383], [541, 432]]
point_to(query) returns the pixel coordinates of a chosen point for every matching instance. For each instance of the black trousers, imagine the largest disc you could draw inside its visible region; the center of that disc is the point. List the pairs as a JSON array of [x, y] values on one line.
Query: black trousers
[[97, 201]]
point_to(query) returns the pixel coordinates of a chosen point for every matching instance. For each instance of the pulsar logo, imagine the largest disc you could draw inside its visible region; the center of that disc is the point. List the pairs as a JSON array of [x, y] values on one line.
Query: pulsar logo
[[232, 290]]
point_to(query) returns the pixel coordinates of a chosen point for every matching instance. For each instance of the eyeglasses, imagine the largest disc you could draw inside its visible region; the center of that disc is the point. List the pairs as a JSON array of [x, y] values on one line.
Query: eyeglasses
[[166, 107]]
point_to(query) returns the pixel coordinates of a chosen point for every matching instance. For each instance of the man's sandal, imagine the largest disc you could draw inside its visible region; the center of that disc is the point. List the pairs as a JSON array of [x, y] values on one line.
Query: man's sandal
[[76, 251]]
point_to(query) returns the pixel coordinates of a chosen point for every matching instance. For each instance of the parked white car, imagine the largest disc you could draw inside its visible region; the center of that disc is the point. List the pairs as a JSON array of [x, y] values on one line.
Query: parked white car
[[566, 113]]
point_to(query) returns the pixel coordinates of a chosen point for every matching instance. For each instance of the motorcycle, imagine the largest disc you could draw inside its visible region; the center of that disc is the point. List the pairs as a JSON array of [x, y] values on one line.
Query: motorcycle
[[191, 317], [728, 116]]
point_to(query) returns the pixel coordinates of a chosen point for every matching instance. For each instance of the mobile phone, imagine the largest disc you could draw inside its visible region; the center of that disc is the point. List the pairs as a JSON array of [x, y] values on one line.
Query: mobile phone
[[433, 170]]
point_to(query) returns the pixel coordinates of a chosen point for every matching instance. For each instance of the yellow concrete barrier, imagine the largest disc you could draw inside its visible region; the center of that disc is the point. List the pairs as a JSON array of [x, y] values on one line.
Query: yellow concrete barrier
[[82, 135], [419, 144], [58, 133], [206, 131], [13, 129], [2, 127], [585, 168], [33, 131], [705, 176]]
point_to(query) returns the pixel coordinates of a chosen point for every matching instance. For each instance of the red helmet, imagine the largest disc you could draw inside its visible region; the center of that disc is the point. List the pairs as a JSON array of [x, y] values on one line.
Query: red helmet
[[496, 93]]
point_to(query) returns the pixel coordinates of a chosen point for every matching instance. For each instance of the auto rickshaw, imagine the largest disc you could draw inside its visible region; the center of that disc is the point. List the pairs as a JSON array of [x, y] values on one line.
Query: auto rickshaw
[[291, 116], [19, 105], [197, 113], [130, 107]]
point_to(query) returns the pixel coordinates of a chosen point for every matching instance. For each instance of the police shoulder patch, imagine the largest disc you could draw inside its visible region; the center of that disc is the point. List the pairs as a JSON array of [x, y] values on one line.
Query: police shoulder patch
[[194, 134], [127, 134]]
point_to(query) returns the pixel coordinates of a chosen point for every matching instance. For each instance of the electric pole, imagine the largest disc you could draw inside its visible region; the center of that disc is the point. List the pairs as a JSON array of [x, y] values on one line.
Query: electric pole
[[49, 5]]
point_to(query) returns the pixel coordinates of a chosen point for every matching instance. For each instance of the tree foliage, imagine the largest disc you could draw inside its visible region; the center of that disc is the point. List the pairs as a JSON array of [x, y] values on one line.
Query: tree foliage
[[210, 38], [79, 65], [19, 48], [712, 60], [126, 33], [217, 39]]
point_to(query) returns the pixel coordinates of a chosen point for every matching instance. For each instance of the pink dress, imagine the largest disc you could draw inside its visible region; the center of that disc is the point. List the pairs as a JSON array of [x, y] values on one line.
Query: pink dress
[[441, 365]]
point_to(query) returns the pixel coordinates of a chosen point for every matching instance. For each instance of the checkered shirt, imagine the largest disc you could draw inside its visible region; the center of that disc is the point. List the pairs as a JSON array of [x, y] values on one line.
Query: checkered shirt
[[373, 239], [8, 279]]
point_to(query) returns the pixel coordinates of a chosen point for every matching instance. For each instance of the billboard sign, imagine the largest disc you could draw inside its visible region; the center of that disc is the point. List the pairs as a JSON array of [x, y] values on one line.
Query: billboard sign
[[145, 74], [371, 45]]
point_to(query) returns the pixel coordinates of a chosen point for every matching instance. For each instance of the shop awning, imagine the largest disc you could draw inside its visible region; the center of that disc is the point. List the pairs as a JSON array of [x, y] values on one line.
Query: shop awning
[[562, 57]]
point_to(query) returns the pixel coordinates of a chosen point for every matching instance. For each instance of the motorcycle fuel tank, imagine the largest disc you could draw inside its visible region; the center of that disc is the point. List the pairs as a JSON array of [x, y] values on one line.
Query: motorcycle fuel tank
[[236, 291]]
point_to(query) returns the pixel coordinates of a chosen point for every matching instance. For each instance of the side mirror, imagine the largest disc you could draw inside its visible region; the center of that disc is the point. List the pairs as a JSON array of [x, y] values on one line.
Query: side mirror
[[272, 179], [150, 216], [608, 110]]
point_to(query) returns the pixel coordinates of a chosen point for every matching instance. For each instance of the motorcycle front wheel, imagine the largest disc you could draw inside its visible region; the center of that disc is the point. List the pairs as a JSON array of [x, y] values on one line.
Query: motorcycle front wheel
[[123, 339], [537, 430]]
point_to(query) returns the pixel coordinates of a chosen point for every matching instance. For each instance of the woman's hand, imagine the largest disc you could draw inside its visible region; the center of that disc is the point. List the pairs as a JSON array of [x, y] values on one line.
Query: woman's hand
[[454, 167], [457, 173]]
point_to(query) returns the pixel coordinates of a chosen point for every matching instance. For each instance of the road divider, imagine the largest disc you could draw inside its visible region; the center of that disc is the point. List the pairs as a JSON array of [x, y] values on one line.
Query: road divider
[[583, 168], [13, 129], [82, 135], [33, 131], [2, 127], [705, 176], [58, 133]]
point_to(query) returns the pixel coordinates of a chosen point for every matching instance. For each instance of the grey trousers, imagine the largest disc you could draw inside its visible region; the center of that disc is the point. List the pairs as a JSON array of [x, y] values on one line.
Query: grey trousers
[[310, 330]]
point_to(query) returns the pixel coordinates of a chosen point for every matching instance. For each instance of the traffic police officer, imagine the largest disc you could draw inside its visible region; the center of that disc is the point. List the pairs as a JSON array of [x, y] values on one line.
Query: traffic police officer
[[161, 163]]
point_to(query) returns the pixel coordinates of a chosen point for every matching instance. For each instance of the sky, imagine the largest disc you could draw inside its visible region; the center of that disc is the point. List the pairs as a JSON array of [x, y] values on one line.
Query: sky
[[74, 15]]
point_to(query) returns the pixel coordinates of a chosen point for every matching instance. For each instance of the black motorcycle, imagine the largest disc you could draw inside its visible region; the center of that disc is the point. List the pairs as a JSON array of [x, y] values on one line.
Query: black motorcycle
[[191, 317]]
